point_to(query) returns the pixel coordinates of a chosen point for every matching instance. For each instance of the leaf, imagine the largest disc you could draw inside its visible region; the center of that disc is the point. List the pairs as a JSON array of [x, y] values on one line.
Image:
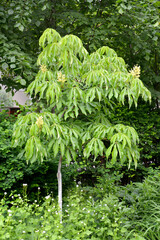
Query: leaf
[[13, 59], [110, 94], [120, 11], [10, 11], [99, 94], [21, 28], [29, 148], [129, 157], [12, 65], [22, 82], [4, 66], [82, 108], [87, 232], [55, 148], [86, 137], [50, 145], [89, 148], [68, 156], [114, 154], [74, 154], [101, 147], [96, 149], [120, 150], [76, 111], [108, 152], [62, 148]]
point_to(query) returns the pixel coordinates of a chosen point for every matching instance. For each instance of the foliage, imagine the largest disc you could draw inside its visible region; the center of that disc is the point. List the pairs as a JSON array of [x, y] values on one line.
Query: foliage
[[84, 218], [145, 119], [144, 197], [76, 92], [29, 221], [20, 23], [13, 169], [8, 171], [5, 99], [106, 210], [131, 28]]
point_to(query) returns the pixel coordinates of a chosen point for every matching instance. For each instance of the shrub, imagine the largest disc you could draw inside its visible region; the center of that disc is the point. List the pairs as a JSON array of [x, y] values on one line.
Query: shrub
[[144, 198], [83, 218]]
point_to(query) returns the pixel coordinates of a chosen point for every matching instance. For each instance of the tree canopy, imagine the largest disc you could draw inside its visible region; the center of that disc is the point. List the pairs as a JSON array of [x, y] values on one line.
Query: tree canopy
[[131, 28], [75, 92]]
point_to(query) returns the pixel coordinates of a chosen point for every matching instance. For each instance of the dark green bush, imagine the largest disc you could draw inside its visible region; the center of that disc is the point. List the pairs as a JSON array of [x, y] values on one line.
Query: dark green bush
[[144, 198]]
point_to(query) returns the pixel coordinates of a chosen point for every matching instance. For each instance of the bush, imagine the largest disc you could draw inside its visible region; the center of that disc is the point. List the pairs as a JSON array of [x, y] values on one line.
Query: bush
[[83, 218], [126, 212], [144, 198]]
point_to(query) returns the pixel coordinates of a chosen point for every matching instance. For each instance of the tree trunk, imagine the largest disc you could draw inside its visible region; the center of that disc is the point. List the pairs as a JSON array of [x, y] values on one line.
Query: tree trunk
[[59, 177]]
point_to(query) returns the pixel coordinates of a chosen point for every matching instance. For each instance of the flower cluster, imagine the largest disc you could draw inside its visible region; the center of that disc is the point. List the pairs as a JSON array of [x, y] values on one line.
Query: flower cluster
[[61, 77], [43, 68], [135, 71], [39, 122]]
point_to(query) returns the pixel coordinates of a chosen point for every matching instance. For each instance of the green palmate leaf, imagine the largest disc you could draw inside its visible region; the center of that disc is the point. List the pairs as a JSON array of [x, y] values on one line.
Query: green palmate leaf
[[31, 87], [42, 89], [75, 94], [67, 113], [50, 145], [76, 111], [74, 142], [34, 150], [95, 146], [110, 95]]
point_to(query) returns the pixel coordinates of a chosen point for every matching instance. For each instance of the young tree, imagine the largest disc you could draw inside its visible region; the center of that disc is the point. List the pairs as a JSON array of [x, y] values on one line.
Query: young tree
[[75, 93]]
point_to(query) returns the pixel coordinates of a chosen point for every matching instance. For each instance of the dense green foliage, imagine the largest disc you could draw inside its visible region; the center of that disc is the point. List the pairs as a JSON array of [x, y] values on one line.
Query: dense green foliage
[[13, 169], [130, 212], [131, 28], [76, 92], [5, 99]]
